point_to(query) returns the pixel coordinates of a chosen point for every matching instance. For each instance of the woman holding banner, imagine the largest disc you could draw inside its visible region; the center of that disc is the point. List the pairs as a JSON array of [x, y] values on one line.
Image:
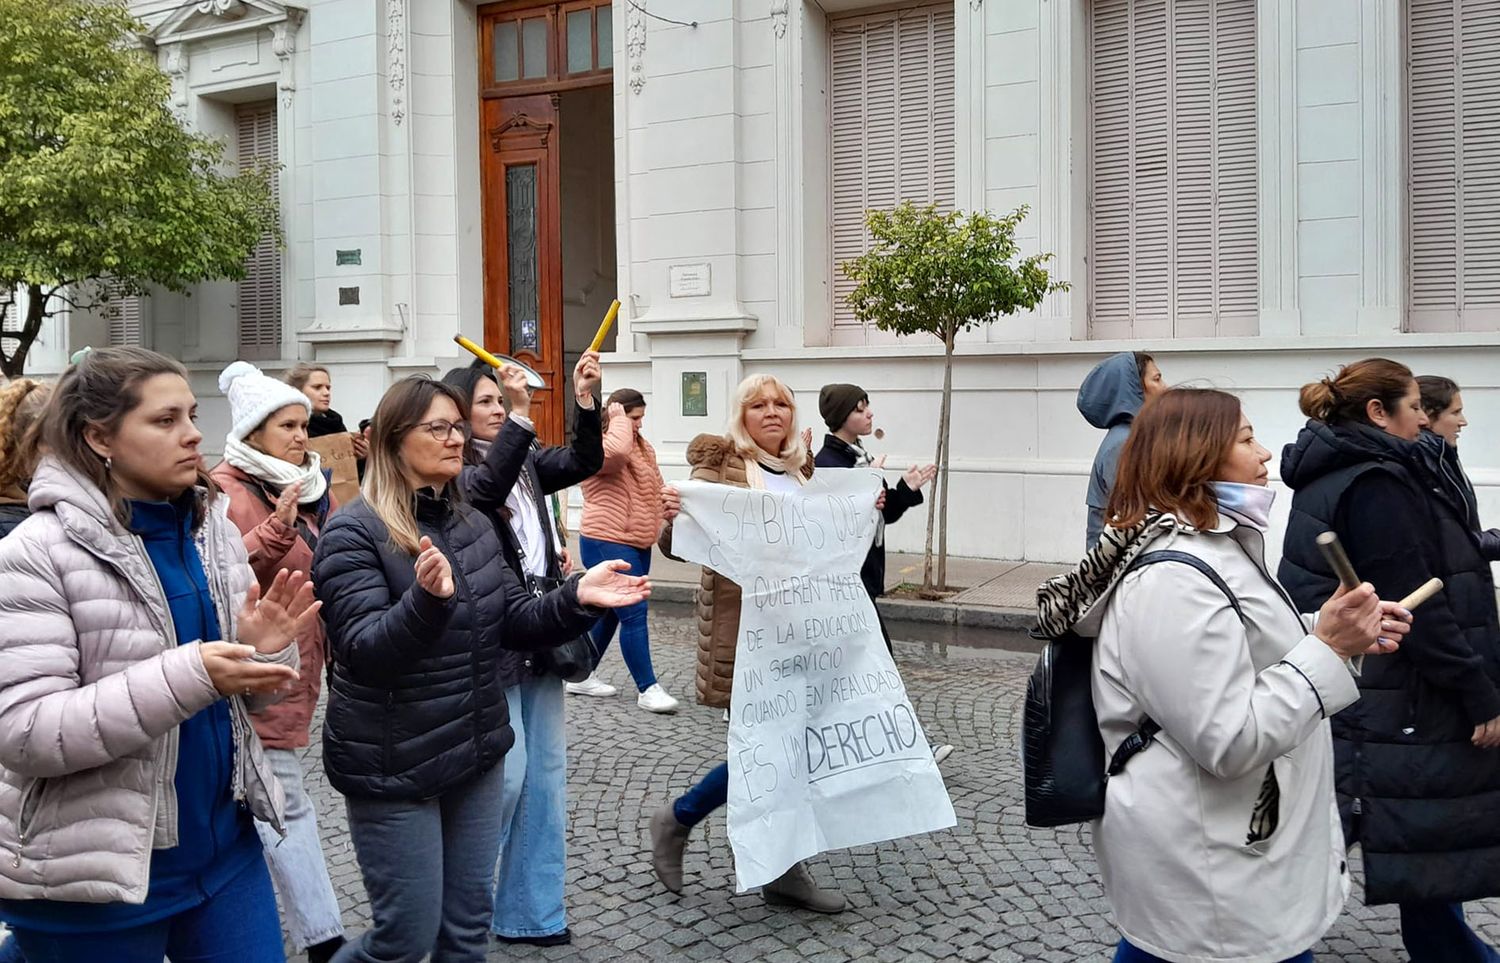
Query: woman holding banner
[[1417, 759], [762, 450]]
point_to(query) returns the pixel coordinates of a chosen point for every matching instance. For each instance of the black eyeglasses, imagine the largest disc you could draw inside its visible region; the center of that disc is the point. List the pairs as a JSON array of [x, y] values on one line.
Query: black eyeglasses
[[440, 430]]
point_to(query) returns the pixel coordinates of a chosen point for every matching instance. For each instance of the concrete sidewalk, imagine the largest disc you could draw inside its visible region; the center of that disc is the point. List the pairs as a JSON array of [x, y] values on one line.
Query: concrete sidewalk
[[993, 594]]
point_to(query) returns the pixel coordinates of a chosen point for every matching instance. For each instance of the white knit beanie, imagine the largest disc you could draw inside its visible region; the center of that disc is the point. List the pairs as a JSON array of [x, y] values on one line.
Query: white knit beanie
[[254, 397]]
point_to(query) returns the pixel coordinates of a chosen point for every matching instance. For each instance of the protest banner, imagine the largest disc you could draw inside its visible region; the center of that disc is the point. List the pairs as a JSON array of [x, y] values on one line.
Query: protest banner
[[337, 454], [825, 751]]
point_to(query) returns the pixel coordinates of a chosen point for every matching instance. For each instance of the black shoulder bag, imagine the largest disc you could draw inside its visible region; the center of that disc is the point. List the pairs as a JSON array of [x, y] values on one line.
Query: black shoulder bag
[[1062, 752]]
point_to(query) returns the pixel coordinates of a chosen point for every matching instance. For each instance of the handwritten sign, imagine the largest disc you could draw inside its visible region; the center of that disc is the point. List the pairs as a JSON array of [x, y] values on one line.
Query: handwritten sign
[[337, 455], [825, 750]]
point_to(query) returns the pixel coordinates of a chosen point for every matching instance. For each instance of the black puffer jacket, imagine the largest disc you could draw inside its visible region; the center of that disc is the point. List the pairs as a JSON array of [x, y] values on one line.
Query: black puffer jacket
[[415, 706], [1413, 790], [1441, 460], [488, 483]]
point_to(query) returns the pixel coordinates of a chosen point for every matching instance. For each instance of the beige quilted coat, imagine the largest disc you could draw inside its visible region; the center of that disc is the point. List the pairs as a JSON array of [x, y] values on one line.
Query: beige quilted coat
[[92, 689]]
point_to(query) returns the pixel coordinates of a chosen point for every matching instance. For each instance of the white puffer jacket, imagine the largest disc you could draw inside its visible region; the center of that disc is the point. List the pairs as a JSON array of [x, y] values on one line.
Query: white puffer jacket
[[93, 686], [1185, 872]]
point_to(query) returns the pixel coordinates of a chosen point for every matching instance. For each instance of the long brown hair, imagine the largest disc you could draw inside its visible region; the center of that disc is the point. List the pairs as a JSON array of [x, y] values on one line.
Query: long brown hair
[[1172, 457], [1346, 396], [99, 391], [385, 486], [21, 405], [1437, 394]]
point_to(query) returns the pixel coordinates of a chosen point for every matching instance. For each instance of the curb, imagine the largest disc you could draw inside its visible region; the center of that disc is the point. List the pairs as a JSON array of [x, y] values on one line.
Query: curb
[[903, 610]]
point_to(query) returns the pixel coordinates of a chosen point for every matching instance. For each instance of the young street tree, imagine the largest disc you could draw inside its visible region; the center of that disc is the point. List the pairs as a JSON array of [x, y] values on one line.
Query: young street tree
[[940, 274], [102, 190]]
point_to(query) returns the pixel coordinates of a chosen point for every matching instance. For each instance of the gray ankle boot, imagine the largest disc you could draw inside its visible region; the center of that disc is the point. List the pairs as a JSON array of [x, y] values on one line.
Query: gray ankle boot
[[795, 887], [668, 839]]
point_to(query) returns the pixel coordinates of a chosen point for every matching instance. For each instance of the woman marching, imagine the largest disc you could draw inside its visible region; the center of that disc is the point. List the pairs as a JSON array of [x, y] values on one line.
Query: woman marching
[[134, 643], [622, 518], [420, 606], [1416, 755], [1438, 445], [762, 450], [279, 498], [1220, 839], [21, 404], [509, 476]]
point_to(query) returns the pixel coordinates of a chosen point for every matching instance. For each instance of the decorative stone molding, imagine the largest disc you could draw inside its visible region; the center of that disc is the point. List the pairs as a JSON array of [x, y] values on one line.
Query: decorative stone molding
[[228, 9], [635, 44], [177, 69], [284, 45], [216, 18], [779, 16], [395, 40]]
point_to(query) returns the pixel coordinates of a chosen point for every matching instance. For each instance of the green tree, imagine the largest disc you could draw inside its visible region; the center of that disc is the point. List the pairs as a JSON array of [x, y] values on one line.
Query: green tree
[[940, 274], [99, 182]]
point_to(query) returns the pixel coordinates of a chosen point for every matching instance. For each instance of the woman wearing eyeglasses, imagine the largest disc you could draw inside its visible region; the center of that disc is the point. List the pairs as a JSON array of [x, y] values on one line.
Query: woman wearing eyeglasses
[[419, 604]]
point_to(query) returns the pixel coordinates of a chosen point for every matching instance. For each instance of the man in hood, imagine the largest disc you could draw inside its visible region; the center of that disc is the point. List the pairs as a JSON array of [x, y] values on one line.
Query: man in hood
[[1110, 397]]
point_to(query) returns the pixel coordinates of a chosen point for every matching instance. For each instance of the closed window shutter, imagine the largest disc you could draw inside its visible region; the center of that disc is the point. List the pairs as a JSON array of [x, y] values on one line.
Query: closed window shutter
[[123, 315], [1453, 144], [1173, 206], [891, 106], [260, 291]]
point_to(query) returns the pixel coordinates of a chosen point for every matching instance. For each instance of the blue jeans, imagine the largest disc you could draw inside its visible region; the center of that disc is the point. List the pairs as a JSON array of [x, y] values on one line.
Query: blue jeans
[[297, 865], [427, 866], [711, 792], [1437, 933], [528, 898], [237, 924], [635, 635], [1127, 952]]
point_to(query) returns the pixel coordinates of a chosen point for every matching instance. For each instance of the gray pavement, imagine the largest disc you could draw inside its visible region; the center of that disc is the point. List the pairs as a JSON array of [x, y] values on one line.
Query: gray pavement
[[988, 890]]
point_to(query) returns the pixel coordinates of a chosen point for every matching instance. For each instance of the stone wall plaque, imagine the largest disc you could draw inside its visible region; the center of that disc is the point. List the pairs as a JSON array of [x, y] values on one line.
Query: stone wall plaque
[[690, 280], [345, 258], [348, 295]]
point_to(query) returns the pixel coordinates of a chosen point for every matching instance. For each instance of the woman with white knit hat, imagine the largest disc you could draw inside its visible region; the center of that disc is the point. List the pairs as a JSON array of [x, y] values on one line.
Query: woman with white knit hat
[[279, 498]]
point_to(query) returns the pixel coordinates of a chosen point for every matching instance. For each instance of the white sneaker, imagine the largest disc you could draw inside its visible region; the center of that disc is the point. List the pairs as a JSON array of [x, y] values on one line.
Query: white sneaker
[[939, 753], [592, 686], [655, 699]]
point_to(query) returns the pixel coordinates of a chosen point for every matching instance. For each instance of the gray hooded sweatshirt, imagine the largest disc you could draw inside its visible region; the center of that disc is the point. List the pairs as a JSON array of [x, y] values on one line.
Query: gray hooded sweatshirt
[[1109, 398]]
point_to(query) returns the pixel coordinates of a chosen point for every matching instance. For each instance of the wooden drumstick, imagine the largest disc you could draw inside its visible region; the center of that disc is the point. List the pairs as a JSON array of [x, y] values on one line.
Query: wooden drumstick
[[1333, 552], [478, 352], [1422, 593]]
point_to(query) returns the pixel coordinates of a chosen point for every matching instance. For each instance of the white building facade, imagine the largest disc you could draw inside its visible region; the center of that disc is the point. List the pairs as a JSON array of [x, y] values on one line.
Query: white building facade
[[1253, 191]]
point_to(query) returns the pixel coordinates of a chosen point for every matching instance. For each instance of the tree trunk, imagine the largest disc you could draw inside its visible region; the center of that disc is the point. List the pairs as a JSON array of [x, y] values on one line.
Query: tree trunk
[[13, 365], [937, 459], [945, 446]]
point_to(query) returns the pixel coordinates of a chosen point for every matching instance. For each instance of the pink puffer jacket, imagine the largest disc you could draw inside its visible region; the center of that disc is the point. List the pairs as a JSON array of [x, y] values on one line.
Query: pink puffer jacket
[[93, 687], [622, 503]]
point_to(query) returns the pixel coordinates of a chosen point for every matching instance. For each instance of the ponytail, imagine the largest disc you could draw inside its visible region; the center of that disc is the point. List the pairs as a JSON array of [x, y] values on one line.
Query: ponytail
[[1345, 397]]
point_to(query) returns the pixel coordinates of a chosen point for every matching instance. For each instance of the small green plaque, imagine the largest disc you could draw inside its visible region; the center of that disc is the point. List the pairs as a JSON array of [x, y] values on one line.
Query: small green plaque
[[355, 256], [695, 394]]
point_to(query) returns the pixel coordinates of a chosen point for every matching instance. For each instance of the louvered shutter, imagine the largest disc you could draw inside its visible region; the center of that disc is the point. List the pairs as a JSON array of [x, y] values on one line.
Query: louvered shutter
[[891, 105], [1173, 205], [123, 314], [260, 291], [1453, 144]]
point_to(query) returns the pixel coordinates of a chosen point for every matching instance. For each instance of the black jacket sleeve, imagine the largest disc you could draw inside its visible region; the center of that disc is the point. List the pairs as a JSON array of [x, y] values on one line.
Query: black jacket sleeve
[[1380, 522], [558, 468], [1489, 544], [898, 500], [533, 623], [368, 633], [487, 485]]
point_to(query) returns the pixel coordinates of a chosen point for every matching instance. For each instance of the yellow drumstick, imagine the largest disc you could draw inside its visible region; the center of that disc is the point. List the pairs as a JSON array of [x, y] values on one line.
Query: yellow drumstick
[[605, 325], [478, 352]]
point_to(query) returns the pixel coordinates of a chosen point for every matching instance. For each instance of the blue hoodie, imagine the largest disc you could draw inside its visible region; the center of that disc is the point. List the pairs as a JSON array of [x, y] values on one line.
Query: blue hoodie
[[1110, 397], [216, 838]]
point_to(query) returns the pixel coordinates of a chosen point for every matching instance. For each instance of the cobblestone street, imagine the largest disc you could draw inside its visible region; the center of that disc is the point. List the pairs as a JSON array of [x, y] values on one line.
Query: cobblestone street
[[988, 890]]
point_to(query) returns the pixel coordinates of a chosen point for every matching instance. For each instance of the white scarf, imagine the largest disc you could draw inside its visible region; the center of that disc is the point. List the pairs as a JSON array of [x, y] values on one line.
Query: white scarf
[[278, 473], [1250, 504]]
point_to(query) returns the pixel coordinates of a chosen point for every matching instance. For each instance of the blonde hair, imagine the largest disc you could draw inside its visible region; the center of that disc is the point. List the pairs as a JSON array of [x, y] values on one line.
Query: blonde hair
[[21, 404], [385, 487], [302, 372], [794, 454]]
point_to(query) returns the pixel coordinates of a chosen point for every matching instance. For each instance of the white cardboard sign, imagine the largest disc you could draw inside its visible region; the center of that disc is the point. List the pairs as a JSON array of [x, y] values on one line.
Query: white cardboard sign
[[825, 750]]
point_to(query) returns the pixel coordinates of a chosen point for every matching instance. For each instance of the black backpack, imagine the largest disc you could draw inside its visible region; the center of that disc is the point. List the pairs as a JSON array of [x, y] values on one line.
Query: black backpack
[[1062, 752]]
